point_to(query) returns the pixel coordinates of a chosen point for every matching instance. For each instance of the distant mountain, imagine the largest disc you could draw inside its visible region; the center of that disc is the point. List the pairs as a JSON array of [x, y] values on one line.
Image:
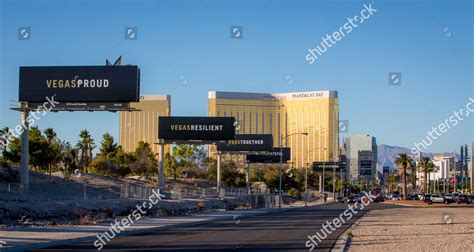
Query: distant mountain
[[387, 155]]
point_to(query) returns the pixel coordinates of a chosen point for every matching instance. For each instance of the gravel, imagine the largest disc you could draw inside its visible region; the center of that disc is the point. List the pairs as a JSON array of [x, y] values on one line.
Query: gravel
[[415, 229]]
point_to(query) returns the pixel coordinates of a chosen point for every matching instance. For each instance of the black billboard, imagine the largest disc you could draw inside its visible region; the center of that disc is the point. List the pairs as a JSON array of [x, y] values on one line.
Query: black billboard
[[271, 156], [247, 142], [80, 83], [196, 128]]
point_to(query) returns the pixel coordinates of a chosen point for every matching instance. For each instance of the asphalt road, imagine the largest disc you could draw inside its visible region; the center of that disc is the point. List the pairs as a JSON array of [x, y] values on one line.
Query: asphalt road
[[283, 231]]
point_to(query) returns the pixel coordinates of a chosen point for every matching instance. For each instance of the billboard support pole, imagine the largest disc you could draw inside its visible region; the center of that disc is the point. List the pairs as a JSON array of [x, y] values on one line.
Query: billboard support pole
[[334, 184], [218, 170], [24, 150], [161, 179], [320, 185], [247, 176]]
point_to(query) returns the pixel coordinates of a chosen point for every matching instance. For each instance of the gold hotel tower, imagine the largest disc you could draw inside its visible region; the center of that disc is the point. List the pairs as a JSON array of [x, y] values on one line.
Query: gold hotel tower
[[283, 114], [142, 125]]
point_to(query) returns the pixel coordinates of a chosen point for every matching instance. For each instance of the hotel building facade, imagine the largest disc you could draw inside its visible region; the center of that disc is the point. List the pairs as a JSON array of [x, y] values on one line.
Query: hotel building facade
[[142, 124], [362, 158], [282, 115]]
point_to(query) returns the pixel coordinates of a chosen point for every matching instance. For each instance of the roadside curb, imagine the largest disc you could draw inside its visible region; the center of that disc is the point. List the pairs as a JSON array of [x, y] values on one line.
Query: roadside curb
[[398, 204], [345, 239], [141, 231]]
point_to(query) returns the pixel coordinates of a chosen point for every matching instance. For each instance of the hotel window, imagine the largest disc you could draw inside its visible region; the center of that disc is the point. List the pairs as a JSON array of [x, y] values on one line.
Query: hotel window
[[263, 123], [256, 122], [148, 128], [271, 123], [279, 130], [153, 130], [250, 122], [134, 131], [243, 126], [143, 122], [139, 128]]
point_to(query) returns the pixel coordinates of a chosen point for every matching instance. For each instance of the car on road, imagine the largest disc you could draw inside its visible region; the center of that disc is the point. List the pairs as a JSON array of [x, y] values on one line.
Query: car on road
[[379, 199], [471, 198], [464, 198], [339, 199], [357, 199], [412, 196], [437, 198], [455, 196], [396, 195], [449, 198], [426, 197], [350, 199]]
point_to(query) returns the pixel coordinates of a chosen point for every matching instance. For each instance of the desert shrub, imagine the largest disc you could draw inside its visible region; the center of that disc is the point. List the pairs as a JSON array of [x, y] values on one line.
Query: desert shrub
[[294, 193]]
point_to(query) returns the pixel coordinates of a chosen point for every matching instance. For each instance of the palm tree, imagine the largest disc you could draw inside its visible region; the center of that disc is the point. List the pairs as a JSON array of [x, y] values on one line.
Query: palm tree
[[427, 166], [413, 176], [404, 162], [50, 137], [69, 159], [85, 145], [3, 139]]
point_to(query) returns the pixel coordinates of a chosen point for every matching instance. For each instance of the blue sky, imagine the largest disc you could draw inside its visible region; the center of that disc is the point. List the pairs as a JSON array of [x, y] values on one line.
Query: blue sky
[[429, 42]]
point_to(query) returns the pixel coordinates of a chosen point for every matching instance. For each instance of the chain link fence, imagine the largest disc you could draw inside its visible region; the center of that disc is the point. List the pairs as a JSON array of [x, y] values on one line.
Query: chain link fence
[[256, 198], [248, 199], [58, 192]]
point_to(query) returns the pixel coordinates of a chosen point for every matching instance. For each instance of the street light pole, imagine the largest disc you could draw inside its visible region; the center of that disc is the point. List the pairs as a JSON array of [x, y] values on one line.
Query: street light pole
[[324, 168], [306, 186], [342, 183], [281, 163], [279, 171], [306, 177]]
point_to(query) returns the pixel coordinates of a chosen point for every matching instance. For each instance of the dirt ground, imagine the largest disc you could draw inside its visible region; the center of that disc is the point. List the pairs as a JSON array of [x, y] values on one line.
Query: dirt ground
[[416, 229]]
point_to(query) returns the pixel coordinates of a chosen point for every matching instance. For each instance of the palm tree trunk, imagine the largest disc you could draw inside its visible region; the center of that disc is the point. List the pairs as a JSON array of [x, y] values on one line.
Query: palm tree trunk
[[429, 177], [82, 160], [424, 182], [405, 189]]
